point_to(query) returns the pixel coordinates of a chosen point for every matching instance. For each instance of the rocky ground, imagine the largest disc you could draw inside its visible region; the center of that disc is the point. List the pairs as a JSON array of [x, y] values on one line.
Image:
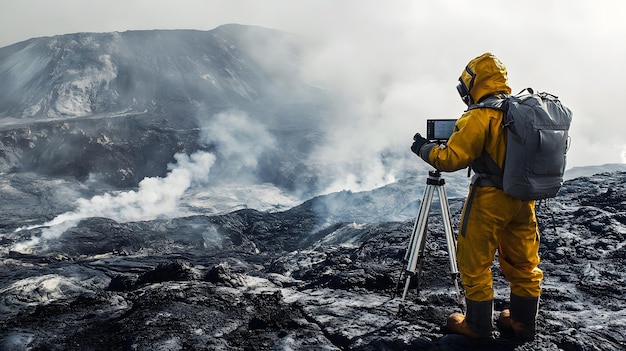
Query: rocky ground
[[251, 280]]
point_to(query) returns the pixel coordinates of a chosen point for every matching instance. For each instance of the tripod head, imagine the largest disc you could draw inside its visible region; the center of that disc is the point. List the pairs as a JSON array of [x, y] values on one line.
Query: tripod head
[[434, 178]]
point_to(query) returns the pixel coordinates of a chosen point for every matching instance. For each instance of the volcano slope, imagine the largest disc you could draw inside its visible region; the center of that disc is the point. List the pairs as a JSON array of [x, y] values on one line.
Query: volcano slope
[[251, 280]]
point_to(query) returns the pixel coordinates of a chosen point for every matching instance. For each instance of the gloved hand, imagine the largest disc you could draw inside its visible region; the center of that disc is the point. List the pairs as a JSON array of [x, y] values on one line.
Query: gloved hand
[[418, 142]]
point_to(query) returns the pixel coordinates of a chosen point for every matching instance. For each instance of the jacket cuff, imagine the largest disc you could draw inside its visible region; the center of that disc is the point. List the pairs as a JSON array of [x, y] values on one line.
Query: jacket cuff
[[425, 151]]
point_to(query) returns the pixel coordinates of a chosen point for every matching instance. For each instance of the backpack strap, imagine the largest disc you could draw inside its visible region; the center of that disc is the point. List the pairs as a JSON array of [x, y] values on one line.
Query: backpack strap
[[488, 173], [496, 101]]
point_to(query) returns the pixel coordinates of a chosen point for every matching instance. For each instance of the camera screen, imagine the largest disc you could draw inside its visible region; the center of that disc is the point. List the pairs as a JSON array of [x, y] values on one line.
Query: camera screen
[[439, 129]]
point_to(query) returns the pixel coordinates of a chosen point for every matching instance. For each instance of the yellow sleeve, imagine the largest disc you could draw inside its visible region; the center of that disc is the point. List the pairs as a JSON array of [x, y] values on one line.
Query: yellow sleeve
[[464, 146]]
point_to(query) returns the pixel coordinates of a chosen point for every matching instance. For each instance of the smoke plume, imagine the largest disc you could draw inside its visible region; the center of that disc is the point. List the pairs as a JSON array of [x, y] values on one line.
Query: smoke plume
[[155, 198], [238, 141]]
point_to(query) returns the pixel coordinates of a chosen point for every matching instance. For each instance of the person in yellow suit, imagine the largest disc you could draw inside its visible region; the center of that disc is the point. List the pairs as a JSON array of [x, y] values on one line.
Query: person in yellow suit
[[491, 220]]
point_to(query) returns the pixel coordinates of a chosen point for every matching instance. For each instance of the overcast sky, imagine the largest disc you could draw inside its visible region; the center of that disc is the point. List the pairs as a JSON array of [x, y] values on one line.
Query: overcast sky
[[398, 61]]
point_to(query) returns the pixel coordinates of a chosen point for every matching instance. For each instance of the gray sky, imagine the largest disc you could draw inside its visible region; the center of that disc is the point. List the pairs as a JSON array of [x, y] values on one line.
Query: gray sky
[[397, 61]]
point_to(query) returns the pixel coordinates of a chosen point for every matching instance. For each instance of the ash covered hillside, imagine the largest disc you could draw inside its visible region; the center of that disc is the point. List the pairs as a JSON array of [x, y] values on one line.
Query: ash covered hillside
[[116, 107], [297, 280], [87, 74]]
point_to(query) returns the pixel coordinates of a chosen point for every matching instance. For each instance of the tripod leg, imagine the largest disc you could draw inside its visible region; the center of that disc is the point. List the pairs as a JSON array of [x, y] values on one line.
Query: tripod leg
[[451, 242], [417, 237], [420, 255], [407, 253], [412, 239]]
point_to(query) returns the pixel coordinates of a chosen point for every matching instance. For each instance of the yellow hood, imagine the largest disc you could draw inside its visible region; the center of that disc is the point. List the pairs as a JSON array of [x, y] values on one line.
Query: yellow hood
[[490, 77]]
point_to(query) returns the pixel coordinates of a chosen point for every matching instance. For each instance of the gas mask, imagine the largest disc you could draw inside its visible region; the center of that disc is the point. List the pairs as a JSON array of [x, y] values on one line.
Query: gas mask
[[464, 90]]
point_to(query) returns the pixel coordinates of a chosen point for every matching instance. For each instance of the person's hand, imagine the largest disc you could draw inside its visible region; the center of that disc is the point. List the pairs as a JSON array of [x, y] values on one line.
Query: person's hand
[[418, 142]]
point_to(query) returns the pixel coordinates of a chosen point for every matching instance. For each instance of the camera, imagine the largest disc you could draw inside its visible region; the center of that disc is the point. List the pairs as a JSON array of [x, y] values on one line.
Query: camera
[[439, 129]]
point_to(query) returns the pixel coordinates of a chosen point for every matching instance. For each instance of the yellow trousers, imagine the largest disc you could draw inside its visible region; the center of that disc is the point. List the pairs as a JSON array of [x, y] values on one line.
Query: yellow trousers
[[493, 220]]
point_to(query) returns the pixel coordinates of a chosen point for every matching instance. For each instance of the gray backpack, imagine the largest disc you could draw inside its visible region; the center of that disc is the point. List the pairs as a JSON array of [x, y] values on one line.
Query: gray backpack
[[537, 142]]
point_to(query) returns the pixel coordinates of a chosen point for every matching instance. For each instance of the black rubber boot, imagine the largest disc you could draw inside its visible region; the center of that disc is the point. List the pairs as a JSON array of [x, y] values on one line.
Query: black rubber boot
[[520, 321], [477, 324]]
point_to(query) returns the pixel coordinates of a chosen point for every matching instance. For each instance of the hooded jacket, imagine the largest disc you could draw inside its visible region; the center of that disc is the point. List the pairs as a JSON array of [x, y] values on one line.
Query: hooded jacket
[[478, 132], [491, 220]]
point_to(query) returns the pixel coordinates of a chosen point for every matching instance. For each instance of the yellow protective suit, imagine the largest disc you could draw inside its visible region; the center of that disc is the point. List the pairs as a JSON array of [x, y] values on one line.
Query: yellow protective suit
[[491, 219]]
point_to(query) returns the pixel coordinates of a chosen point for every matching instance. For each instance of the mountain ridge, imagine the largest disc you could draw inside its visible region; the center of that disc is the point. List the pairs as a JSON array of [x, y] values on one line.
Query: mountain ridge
[[86, 73], [119, 106]]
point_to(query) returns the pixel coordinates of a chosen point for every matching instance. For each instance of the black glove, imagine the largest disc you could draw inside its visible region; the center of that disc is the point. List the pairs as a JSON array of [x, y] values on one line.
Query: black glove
[[418, 142]]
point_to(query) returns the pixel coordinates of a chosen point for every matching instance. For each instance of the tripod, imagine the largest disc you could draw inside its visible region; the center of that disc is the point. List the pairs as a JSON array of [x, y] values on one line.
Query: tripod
[[415, 250]]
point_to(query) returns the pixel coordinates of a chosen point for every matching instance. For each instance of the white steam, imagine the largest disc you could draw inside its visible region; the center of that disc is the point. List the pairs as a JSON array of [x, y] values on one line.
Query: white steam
[[155, 198], [239, 141]]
